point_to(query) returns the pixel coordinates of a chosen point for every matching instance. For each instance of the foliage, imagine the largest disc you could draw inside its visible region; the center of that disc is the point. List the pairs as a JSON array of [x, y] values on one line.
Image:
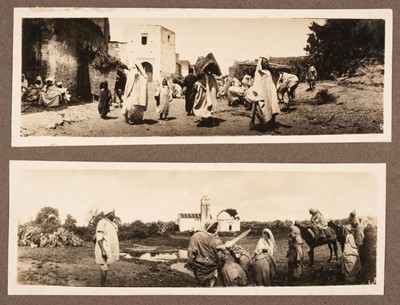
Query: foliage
[[86, 233], [257, 226], [338, 46], [91, 42], [70, 223], [138, 229], [34, 236], [103, 61], [294, 65], [242, 68], [48, 219], [324, 97], [231, 212]]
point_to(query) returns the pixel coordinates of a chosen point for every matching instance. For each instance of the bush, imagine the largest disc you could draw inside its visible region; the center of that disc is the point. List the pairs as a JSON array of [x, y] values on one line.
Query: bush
[[35, 236], [324, 97]]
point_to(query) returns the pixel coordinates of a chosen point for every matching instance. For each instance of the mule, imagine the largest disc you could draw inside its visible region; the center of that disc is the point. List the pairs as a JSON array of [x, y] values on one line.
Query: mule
[[312, 242], [340, 233]]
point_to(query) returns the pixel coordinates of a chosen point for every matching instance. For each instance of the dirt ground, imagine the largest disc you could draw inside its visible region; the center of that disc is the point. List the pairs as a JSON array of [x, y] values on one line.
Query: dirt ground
[[76, 266], [358, 109]]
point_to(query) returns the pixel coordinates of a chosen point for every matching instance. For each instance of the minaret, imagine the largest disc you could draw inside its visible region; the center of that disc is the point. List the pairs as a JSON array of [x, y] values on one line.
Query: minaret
[[205, 213]]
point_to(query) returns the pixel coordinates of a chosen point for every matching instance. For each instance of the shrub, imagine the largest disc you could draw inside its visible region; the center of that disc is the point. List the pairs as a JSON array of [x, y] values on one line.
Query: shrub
[[324, 97]]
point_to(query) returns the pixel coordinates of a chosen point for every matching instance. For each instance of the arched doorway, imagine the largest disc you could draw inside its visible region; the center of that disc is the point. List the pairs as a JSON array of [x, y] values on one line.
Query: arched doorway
[[149, 70]]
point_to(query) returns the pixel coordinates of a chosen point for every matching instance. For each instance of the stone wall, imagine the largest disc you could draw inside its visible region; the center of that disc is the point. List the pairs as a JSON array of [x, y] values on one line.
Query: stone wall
[[54, 47]]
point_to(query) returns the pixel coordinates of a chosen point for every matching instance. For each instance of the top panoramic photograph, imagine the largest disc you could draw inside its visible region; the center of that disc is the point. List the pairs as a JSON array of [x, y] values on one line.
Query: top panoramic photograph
[[193, 76]]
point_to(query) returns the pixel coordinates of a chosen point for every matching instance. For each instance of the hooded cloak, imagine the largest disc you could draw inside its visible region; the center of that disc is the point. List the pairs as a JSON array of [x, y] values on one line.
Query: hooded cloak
[[136, 95], [265, 87], [203, 253]]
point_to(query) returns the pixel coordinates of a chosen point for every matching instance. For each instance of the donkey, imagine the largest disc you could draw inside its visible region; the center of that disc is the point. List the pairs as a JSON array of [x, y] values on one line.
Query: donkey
[[313, 242]]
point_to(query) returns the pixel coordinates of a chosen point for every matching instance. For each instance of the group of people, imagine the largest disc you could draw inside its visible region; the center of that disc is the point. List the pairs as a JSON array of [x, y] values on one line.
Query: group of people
[[48, 93], [351, 262], [354, 237], [201, 91], [208, 256], [262, 92], [218, 263]]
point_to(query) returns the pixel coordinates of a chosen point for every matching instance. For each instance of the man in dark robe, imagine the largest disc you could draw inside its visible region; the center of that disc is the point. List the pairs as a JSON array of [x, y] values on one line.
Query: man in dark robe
[[188, 83]]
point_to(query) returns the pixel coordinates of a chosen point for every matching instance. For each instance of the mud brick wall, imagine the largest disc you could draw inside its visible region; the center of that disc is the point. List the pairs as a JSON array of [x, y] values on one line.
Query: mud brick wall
[[62, 63], [96, 77]]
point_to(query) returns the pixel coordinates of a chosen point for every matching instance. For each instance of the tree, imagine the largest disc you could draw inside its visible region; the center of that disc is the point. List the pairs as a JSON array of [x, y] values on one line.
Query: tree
[[70, 223], [341, 44], [48, 219], [231, 212]]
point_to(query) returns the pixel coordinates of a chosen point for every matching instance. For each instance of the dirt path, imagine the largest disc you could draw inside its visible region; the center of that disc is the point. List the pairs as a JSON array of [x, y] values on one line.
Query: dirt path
[[357, 110]]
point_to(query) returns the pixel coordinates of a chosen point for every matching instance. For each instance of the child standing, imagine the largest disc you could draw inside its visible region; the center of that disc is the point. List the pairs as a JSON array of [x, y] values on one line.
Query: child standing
[[163, 97]]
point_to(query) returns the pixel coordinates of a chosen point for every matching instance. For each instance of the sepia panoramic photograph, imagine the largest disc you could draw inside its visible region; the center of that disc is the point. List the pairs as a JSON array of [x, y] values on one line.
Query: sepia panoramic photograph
[[156, 76], [191, 228]]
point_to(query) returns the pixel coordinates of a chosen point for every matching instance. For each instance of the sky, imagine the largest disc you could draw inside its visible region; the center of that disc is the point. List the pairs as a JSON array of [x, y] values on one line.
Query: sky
[[151, 195], [229, 39]]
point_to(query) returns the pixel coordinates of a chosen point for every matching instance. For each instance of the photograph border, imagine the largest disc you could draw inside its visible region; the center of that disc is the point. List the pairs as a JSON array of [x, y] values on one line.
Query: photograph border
[[378, 169], [52, 12]]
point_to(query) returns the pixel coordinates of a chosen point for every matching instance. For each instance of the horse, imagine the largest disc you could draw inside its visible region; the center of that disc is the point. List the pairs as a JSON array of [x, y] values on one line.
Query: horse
[[312, 242]]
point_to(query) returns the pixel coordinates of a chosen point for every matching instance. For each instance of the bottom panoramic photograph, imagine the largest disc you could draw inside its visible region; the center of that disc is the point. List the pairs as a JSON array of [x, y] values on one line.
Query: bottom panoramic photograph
[[191, 228]]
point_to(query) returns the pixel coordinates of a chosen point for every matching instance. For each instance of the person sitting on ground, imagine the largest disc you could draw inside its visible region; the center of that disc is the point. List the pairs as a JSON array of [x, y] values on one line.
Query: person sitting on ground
[[318, 223], [104, 100], [24, 85], [236, 93], [65, 95], [52, 95], [33, 93], [163, 97]]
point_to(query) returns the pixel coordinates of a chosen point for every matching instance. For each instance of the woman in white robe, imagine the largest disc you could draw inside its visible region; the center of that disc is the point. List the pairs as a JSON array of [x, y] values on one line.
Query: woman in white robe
[[135, 95], [351, 264], [265, 105], [264, 264]]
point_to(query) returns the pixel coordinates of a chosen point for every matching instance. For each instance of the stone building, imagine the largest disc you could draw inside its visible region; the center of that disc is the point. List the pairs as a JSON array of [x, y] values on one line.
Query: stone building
[[151, 45], [195, 221], [63, 48], [227, 223], [185, 65]]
